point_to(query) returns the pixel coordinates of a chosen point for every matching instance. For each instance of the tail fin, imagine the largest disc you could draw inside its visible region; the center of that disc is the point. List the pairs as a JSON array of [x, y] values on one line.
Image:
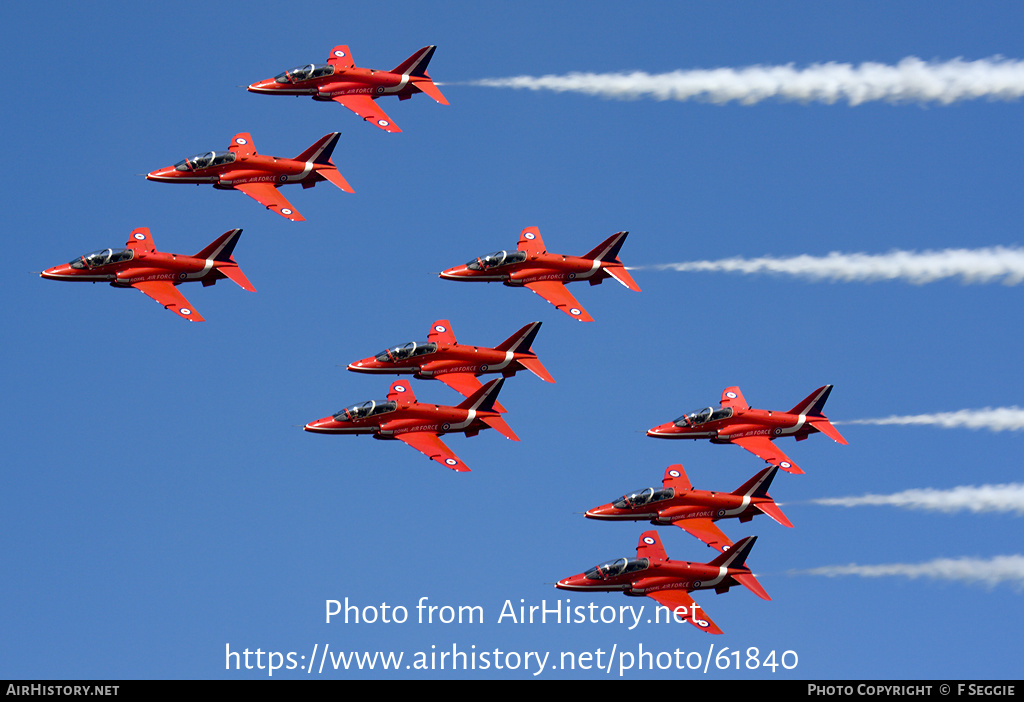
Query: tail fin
[[416, 68], [319, 155], [222, 248], [735, 559], [220, 251], [519, 344], [813, 404], [416, 65], [320, 152], [522, 340], [607, 252], [483, 399], [757, 487]]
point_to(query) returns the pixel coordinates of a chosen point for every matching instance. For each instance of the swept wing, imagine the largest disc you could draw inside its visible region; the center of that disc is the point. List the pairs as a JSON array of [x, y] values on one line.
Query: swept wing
[[705, 530], [432, 447], [763, 448], [558, 295], [268, 196], [367, 108], [164, 292], [683, 606]]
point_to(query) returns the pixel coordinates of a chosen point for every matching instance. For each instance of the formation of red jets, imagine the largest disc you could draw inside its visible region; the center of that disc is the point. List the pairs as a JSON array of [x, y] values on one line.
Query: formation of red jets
[[420, 425]]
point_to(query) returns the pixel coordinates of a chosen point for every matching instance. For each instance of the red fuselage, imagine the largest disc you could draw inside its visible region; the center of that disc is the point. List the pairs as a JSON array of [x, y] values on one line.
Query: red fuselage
[[692, 504], [536, 267], [387, 424], [245, 169], [652, 577], [456, 358], [343, 81], [743, 423], [140, 267]]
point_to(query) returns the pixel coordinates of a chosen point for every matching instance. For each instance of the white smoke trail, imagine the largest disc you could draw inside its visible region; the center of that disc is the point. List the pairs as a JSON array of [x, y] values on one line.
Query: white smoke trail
[[978, 499], [993, 264], [991, 418], [911, 80], [991, 572]]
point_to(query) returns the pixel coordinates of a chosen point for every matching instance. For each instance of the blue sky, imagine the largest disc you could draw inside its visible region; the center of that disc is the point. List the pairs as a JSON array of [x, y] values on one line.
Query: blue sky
[[161, 502]]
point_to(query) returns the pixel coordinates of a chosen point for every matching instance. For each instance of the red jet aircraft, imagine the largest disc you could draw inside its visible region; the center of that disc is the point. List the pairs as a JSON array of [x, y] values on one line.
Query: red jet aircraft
[[259, 177], [544, 273], [458, 365], [419, 424], [155, 273], [667, 582], [356, 88], [696, 511], [753, 429]]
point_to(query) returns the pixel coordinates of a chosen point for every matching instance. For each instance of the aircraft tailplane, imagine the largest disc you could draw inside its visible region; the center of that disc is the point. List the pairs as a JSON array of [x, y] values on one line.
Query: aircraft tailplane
[[331, 174], [773, 511], [235, 274], [427, 86], [748, 581], [622, 275], [534, 365], [220, 251], [735, 558], [826, 428], [496, 422]]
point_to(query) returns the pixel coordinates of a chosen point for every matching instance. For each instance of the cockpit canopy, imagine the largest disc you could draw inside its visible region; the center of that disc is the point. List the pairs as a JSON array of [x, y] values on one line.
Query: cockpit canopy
[[609, 569], [210, 158], [102, 257], [498, 258], [400, 353], [708, 414], [642, 497], [307, 72], [369, 408]]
